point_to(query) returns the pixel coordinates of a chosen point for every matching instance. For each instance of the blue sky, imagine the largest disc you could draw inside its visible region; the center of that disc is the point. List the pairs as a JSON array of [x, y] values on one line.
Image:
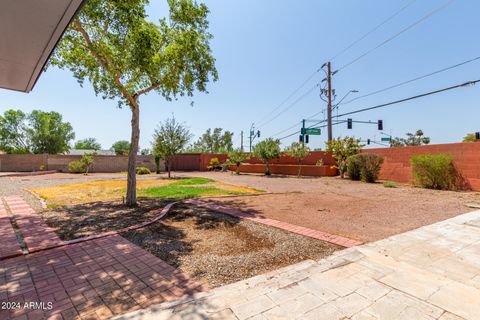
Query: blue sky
[[266, 49]]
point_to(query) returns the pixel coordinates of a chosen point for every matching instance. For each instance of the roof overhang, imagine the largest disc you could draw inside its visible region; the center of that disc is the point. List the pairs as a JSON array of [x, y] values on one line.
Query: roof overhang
[[29, 32]]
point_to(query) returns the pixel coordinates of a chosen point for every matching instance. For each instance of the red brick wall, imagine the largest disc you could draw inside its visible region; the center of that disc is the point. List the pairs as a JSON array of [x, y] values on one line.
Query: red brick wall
[[32, 162], [396, 166], [288, 169]]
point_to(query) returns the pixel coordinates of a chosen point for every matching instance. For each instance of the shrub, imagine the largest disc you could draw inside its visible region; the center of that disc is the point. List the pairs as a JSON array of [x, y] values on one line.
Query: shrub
[[354, 167], [143, 170], [389, 184], [434, 171], [364, 166], [77, 167], [214, 164], [371, 165]]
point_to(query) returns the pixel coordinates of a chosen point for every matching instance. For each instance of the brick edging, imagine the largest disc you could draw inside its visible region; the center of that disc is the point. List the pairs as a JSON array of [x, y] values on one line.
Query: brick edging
[[311, 233]]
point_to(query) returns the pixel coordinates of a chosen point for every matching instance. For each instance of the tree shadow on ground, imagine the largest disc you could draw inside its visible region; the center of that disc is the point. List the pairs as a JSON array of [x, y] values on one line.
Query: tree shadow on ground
[[71, 222]]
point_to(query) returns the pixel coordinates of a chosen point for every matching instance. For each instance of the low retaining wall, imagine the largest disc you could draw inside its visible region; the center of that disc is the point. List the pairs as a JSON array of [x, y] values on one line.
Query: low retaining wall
[[285, 169], [396, 166]]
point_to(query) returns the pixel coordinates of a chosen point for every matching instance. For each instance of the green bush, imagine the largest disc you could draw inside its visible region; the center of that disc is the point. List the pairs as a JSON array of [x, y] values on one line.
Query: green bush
[[77, 167], [434, 171], [364, 166], [143, 170], [354, 166], [371, 165]]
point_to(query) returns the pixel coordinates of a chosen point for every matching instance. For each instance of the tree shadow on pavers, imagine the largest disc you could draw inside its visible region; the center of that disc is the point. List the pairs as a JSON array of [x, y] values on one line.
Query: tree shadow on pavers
[[76, 221]]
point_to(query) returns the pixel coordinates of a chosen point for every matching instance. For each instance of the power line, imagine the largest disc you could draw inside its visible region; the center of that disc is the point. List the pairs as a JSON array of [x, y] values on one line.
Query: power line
[[381, 44], [461, 85], [310, 77], [412, 80], [465, 84], [303, 96], [373, 30]]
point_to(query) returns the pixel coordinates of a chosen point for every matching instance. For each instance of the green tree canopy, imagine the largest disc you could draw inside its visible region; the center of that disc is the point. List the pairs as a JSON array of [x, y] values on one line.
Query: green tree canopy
[[267, 150], [218, 141], [87, 144], [298, 151], [341, 149], [14, 136], [121, 148], [236, 157], [470, 137], [124, 56], [412, 139], [169, 139], [37, 132]]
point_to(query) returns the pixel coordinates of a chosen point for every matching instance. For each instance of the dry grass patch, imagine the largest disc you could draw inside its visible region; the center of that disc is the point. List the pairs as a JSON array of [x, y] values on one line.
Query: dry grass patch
[[114, 190]]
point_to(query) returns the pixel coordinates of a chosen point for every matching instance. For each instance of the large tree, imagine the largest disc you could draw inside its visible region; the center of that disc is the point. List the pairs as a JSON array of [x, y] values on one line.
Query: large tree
[[88, 144], [37, 132], [169, 139], [125, 56], [218, 141], [412, 139], [121, 148], [13, 132]]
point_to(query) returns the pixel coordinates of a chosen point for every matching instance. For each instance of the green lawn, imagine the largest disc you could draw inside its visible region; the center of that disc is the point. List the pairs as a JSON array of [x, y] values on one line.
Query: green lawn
[[183, 192]]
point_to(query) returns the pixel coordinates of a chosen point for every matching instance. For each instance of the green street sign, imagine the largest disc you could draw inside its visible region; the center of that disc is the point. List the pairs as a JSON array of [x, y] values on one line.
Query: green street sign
[[312, 131], [386, 139]]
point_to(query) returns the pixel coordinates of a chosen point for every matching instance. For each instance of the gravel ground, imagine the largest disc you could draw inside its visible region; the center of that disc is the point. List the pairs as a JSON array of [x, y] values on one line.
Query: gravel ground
[[72, 222], [221, 249], [357, 210]]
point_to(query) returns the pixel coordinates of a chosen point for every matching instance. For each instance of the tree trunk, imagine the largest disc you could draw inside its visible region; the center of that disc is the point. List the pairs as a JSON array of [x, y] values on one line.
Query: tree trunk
[[267, 168], [169, 168], [132, 158]]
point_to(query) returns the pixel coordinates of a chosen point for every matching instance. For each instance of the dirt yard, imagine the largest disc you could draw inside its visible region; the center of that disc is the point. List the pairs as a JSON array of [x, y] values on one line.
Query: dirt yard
[[357, 210], [81, 220], [221, 249]]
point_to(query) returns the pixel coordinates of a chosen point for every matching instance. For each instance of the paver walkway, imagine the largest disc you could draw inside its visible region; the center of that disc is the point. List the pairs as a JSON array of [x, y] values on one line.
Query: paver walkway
[[429, 273], [94, 279], [36, 234], [8, 240]]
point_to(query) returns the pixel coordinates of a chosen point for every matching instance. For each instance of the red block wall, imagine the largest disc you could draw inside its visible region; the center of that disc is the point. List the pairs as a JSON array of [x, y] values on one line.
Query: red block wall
[[396, 166]]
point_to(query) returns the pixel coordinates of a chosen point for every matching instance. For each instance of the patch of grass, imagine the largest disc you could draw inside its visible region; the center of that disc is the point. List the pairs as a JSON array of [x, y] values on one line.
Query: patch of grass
[[192, 181], [389, 184], [108, 190], [183, 192]]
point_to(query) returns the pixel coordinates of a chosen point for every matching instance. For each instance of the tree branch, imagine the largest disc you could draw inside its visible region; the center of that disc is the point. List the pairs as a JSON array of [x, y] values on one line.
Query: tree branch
[[148, 89], [105, 64]]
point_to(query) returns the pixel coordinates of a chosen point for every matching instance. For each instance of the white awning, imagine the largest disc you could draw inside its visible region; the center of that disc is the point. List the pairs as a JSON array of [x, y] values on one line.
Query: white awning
[[29, 31]]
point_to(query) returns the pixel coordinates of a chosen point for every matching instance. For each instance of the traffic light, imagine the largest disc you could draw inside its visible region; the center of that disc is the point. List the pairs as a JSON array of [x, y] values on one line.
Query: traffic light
[[368, 141], [258, 133], [477, 135], [349, 123], [300, 138], [306, 138], [380, 125]]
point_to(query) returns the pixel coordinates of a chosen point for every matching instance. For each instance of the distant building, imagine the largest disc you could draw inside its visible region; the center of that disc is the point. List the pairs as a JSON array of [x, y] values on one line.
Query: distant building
[[81, 152]]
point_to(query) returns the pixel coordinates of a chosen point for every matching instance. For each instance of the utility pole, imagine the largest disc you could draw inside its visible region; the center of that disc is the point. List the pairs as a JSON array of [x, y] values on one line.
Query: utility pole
[[329, 107], [253, 135], [241, 140]]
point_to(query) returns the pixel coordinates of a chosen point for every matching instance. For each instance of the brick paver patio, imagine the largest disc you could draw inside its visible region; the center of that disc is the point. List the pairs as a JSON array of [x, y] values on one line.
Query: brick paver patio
[[87, 280]]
